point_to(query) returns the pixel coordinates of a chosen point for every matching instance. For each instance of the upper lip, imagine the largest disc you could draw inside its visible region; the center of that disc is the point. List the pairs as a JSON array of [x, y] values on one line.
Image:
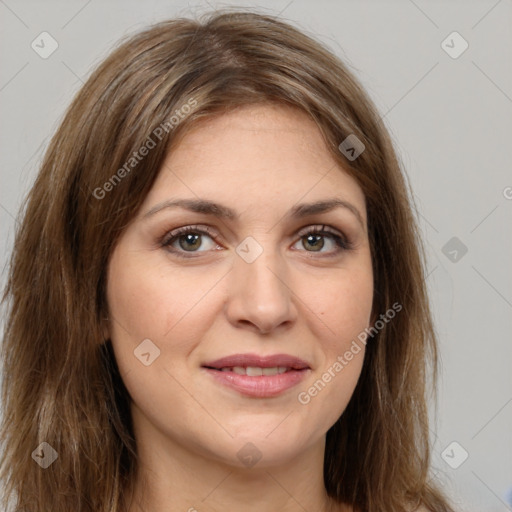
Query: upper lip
[[255, 360]]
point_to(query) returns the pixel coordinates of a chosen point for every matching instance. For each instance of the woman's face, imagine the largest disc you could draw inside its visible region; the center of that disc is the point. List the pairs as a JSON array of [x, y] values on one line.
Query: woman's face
[[249, 282]]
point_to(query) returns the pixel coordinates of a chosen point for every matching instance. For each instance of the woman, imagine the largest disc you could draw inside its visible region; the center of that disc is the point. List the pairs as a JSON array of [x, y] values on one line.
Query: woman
[[216, 297]]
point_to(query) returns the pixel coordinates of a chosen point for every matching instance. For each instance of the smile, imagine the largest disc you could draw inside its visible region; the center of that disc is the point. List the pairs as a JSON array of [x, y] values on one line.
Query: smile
[[258, 376]]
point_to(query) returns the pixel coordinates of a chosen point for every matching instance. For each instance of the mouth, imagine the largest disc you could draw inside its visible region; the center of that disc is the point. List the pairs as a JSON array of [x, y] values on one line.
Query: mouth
[[254, 371], [280, 362], [258, 376]]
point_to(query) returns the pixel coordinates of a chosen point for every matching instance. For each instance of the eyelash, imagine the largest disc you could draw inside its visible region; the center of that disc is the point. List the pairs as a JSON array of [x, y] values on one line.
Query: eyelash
[[342, 243]]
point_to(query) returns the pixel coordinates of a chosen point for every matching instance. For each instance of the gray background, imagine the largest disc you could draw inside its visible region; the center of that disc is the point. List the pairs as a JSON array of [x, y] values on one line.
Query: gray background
[[451, 119]]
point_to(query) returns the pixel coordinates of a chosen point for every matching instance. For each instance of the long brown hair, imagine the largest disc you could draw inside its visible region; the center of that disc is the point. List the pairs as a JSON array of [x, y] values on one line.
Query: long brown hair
[[61, 382]]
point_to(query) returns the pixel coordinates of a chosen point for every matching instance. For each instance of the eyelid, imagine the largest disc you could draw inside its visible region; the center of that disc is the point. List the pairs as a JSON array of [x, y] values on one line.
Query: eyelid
[[320, 228], [199, 228]]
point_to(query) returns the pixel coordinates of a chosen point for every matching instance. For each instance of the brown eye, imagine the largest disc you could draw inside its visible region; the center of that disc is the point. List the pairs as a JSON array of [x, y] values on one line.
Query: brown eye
[[187, 240], [314, 240]]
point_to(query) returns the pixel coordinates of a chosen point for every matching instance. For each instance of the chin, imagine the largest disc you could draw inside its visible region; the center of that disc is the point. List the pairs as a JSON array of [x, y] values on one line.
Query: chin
[[258, 449]]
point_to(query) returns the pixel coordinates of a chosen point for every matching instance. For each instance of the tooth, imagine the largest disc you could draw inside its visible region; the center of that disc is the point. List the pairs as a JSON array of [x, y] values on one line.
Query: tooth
[[225, 369], [270, 371], [253, 371], [240, 370], [281, 369]]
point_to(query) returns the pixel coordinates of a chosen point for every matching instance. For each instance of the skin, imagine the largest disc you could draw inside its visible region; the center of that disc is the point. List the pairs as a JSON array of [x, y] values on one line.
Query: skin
[[260, 161]]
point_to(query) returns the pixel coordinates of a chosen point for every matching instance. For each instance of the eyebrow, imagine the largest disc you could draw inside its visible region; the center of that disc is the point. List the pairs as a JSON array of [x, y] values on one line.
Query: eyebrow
[[221, 211]]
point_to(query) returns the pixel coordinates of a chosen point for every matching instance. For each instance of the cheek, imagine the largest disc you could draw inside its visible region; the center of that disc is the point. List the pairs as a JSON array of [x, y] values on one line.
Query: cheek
[[343, 310], [136, 302], [137, 306], [147, 299], [147, 303], [343, 307]]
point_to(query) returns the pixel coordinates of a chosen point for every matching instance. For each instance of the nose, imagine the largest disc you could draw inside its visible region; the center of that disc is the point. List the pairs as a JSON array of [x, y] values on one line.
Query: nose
[[259, 294]]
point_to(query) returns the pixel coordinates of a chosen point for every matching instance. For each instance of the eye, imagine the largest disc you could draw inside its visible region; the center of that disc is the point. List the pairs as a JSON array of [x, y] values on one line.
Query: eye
[[188, 239], [314, 237]]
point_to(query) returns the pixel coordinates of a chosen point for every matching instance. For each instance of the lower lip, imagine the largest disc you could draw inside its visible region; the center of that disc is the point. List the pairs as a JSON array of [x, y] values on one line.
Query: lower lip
[[263, 386]]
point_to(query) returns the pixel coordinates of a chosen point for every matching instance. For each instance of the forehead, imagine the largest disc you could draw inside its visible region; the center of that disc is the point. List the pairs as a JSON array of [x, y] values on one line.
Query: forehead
[[254, 155]]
